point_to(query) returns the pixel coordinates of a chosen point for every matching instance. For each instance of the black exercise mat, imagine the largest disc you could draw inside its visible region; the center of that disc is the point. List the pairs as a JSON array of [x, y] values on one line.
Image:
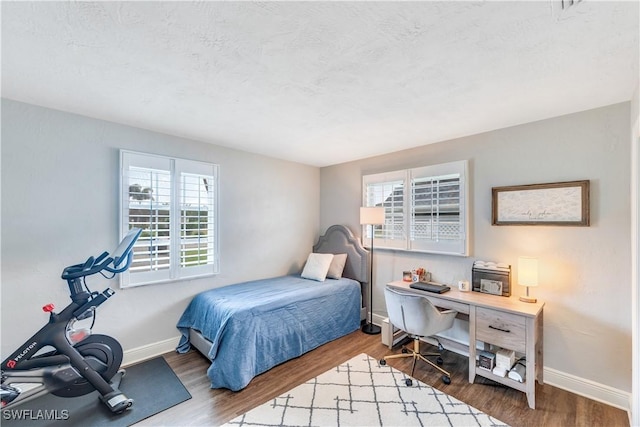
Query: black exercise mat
[[152, 385]]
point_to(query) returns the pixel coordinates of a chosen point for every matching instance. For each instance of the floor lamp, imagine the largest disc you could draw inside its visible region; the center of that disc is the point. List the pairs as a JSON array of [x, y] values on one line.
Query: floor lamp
[[371, 216]]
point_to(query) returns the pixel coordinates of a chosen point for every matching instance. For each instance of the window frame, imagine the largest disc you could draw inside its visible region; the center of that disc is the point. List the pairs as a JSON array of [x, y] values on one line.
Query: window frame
[[176, 168], [405, 240]]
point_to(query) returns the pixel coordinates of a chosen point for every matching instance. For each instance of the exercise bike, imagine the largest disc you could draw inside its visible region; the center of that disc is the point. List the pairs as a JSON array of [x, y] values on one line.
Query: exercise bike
[[79, 362]]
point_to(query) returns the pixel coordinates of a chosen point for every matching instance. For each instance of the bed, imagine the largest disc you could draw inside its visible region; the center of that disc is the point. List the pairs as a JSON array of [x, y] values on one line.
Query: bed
[[247, 328]]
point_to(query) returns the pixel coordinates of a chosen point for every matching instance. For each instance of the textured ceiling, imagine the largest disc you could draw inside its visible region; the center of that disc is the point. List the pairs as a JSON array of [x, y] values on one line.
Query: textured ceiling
[[319, 82]]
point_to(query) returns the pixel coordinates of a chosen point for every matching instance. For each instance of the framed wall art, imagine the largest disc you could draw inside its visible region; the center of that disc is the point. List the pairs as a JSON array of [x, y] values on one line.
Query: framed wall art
[[558, 203]]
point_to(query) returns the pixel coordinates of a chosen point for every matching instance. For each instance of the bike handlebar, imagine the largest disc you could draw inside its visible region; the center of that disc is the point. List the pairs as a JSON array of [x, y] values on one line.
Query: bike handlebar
[[95, 265], [102, 256], [124, 268]]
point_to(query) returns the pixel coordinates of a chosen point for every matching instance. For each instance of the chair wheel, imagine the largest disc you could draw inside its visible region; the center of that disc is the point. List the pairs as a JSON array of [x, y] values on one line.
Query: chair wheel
[[382, 362], [408, 382], [446, 379], [405, 351], [439, 361]]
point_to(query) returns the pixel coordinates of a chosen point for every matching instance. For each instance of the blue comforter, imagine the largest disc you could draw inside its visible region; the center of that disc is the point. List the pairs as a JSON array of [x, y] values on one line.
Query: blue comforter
[[257, 325]]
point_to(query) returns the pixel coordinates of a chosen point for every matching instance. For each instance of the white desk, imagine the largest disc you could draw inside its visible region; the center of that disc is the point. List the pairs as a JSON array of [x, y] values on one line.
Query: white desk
[[506, 322]]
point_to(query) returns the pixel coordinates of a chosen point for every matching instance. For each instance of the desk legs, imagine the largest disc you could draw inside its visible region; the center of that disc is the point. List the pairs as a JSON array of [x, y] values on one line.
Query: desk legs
[[539, 349], [472, 344], [535, 361], [531, 364]]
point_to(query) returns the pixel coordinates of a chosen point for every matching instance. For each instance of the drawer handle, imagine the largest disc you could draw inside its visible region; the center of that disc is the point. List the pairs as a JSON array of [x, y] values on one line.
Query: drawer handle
[[500, 329]]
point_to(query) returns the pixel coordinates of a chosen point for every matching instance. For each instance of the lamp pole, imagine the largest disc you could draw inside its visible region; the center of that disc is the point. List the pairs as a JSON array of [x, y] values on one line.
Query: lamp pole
[[369, 327]]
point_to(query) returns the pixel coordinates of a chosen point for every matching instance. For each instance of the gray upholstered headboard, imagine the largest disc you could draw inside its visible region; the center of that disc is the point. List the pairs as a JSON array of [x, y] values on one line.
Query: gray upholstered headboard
[[338, 239]]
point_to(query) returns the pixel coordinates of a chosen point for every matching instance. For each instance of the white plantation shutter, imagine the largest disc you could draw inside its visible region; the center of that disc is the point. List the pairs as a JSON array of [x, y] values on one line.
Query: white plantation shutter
[[386, 189], [425, 208], [437, 220], [198, 188], [173, 201], [153, 216]]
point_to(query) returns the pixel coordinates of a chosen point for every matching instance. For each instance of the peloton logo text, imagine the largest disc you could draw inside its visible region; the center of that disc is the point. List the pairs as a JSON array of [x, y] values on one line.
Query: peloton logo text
[[24, 352]]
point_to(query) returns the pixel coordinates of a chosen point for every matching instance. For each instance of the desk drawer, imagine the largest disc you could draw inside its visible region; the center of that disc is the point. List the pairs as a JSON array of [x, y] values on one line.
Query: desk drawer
[[502, 329], [448, 304]]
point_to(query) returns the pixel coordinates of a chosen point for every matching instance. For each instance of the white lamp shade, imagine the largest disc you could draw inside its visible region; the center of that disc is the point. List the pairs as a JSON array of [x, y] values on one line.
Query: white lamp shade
[[372, 215], [527, 271]]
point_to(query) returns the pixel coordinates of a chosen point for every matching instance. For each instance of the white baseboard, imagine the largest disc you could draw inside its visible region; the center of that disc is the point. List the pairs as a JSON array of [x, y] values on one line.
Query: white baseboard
[[377, 319], [149, 351], [589, 389], [580, 386]]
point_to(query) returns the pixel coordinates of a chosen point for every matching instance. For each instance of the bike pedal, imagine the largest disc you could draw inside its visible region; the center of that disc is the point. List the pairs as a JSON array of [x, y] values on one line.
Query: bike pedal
[[117, 402]]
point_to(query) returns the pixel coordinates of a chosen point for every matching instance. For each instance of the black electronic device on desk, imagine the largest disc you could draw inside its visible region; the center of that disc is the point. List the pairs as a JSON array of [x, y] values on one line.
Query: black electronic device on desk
[[436, 288]]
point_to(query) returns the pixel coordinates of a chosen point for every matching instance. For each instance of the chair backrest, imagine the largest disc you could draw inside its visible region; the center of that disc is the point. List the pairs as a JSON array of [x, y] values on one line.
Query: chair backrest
[[415, 315]]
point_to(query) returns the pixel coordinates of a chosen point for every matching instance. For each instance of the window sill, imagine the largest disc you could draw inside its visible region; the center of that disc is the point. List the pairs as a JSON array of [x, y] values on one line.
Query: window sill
[[417, 251], [165, 281]]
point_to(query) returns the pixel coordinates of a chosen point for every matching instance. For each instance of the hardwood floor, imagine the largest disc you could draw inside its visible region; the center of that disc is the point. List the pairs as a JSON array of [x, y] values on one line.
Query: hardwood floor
[[209, 407]]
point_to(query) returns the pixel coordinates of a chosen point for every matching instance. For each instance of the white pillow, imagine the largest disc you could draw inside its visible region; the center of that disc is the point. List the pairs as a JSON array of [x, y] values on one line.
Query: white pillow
[[317, 266], [337, 266]]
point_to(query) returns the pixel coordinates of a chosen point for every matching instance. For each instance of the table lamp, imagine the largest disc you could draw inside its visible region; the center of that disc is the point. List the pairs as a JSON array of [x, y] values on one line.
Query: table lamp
[[371, 216], [527, 275]]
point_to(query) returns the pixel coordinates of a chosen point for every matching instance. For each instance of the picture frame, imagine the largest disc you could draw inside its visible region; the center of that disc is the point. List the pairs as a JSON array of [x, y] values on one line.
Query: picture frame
[[557, 203]]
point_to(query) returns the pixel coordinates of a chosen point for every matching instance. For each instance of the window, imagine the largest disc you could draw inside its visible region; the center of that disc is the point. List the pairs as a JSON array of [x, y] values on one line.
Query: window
[[174, 202], [425, 208]]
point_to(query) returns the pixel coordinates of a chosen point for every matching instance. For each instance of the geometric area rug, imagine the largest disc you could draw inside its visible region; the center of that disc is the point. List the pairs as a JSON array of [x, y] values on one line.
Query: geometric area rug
[[361, 392]]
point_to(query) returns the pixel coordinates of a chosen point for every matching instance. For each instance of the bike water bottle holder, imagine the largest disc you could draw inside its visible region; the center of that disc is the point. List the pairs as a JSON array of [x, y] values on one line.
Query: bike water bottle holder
[[76, 334]]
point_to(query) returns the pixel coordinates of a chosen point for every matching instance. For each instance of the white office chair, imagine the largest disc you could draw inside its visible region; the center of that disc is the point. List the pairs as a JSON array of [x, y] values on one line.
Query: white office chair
[[419, 318]]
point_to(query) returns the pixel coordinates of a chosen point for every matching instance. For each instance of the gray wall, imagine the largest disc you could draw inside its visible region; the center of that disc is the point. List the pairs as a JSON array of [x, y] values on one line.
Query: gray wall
[[59, 187], [585, 273], [59, 205]]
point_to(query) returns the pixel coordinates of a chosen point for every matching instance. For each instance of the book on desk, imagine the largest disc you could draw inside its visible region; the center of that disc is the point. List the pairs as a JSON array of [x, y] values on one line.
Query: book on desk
[[436, 288]]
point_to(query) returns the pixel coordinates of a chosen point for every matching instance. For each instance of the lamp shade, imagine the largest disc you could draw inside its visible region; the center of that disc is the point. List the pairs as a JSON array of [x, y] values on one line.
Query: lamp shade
[[527, 271], [372, 215]]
